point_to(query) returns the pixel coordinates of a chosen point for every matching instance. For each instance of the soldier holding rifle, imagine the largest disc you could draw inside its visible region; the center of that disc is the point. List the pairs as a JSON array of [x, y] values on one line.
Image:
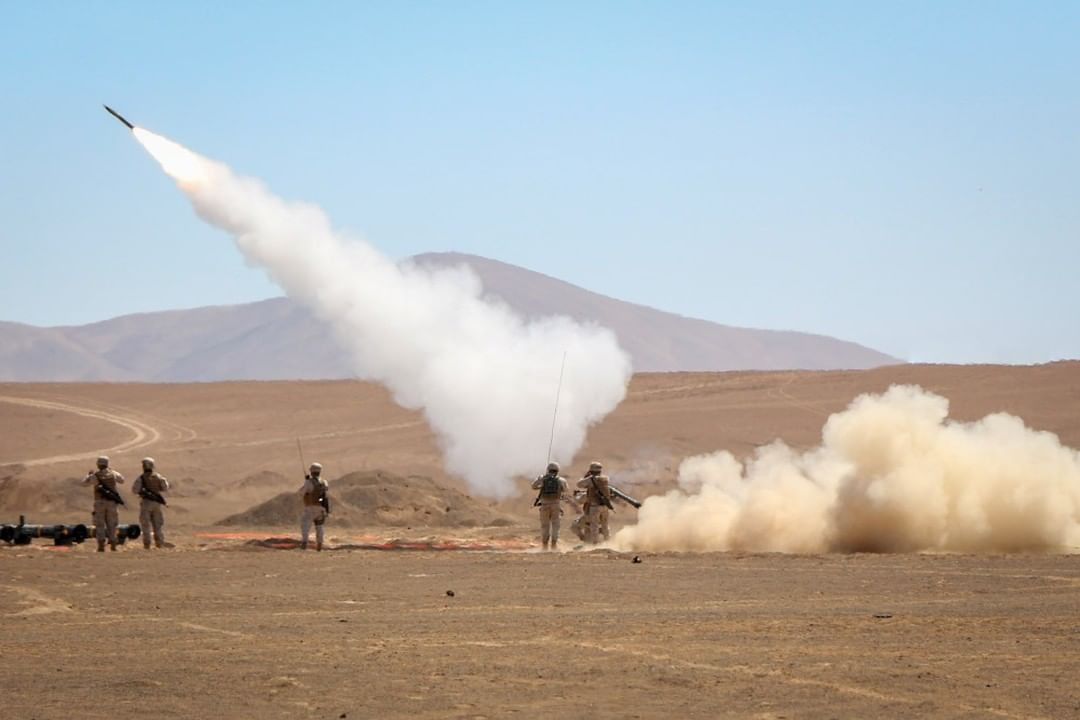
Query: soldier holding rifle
[[106, 502], [149, 486], [597, 502]]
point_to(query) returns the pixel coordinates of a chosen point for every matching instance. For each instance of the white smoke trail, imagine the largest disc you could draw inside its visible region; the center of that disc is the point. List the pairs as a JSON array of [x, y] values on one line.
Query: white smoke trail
[[485, 379], [892, 474]]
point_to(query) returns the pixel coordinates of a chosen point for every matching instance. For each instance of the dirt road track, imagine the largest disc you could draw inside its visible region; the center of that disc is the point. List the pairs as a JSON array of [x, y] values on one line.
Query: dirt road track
[[143, 434]]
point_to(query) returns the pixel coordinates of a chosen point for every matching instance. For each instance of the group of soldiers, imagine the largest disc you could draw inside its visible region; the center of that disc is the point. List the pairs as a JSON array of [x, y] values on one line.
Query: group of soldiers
[[592, 500], [150, 486]]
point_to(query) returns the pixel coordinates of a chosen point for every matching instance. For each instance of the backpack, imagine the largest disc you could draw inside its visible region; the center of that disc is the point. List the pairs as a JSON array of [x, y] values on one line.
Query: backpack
[[550, 486]]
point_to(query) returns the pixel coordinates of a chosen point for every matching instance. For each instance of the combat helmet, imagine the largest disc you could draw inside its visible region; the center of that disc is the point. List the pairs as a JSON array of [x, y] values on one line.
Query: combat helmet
[[102, 462], [148, 464]]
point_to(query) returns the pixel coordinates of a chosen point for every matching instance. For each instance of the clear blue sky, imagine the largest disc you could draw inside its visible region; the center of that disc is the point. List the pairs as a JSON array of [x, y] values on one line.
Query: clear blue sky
[[905, 175]]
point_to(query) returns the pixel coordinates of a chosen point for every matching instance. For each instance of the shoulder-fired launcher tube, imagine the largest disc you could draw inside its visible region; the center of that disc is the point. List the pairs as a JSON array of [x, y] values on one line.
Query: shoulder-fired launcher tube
[[123, 532], [59, 534], [623, 496]]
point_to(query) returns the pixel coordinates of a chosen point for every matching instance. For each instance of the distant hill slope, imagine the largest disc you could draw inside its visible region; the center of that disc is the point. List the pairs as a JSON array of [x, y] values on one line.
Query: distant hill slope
[[660, 341], [278, 340]]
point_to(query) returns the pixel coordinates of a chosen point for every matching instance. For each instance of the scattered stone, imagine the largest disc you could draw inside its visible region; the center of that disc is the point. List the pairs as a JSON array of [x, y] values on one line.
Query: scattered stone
[[882, 616], [450, 593], [636, 560]]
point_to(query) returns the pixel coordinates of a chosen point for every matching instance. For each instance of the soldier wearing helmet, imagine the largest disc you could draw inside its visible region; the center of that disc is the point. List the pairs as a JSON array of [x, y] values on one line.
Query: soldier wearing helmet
[[150, 486], [316, 506], [597, 502], [552, 489], [107, 501]]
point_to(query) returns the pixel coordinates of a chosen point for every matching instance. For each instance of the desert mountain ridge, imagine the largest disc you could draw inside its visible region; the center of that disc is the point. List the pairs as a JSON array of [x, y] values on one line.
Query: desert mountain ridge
[[277, 339]]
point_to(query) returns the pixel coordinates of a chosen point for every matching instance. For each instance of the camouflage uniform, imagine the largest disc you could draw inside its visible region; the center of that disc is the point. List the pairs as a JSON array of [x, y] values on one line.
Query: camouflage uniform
[[314, 489], [151, 512], [597, 503], [550, 504], [580, 525], [105, 515]]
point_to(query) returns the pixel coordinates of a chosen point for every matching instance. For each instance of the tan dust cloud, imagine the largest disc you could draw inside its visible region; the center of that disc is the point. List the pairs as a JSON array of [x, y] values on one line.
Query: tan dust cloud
[[892, 474]]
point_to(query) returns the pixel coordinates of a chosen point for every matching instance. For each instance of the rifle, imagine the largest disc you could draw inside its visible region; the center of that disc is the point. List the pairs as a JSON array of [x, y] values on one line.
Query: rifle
[[147, 493], [108, 493]]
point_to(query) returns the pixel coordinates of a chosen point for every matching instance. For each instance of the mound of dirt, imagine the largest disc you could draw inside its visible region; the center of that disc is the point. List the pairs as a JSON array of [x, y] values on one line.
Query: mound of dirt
[[379, 498], [264, 479], [19, 495]]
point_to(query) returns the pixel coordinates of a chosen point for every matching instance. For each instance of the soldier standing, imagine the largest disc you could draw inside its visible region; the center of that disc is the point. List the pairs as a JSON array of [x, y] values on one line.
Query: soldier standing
[[149, 486], [106, 502], [316, 506], [597, 502], [552, 489]]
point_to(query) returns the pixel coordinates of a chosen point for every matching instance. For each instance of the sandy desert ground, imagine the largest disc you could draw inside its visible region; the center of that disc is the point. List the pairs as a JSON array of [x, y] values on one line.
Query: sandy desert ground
[[232, 631], [224, 625]]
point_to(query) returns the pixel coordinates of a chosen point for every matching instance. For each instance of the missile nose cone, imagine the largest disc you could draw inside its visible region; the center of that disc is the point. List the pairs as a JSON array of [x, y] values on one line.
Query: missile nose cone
[[119, 117]]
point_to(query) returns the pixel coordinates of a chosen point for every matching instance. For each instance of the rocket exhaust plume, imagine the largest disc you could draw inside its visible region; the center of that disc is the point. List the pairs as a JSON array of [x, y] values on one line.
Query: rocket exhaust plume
[[482, 375], [892, 474]]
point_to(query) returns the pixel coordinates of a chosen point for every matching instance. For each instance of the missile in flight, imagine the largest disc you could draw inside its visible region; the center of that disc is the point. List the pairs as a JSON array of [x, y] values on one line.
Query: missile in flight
[[119, 117]]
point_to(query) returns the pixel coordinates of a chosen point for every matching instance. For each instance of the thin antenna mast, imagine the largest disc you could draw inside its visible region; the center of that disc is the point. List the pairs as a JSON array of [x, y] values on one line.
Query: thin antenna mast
[[299, 449], [554, 415]]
